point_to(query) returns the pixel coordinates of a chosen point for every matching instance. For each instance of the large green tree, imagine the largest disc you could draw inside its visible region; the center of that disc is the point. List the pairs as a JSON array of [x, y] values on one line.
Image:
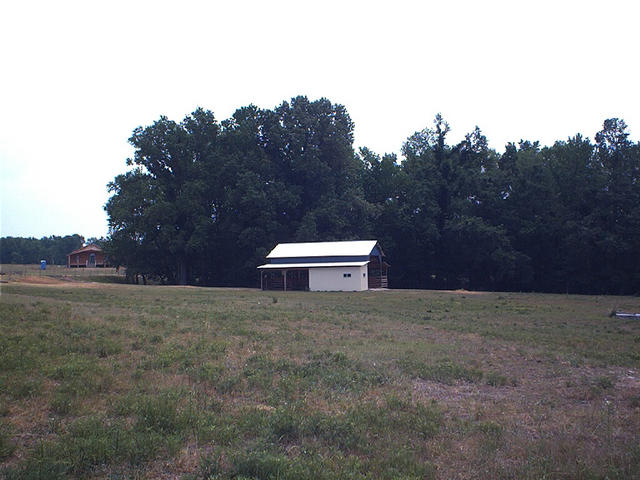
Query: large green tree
[[445, 239], [617, 214], [206, 202], [160, 212], [311, 147]]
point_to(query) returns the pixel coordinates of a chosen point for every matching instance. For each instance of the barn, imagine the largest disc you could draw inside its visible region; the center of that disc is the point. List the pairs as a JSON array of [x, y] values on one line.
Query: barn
[[325, 266], [89, 256]]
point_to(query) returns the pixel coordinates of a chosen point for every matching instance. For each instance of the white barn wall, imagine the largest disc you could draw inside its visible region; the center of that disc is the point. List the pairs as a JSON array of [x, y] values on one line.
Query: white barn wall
[[333, 279]]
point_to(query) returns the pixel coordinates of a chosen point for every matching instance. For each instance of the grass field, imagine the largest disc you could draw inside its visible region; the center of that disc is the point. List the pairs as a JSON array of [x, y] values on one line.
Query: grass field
[[60, 272], [117, 381]]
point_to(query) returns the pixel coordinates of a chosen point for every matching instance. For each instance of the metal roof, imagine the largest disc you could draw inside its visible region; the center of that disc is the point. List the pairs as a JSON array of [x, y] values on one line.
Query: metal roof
[[323, 249], [272, 266], [88, 248]]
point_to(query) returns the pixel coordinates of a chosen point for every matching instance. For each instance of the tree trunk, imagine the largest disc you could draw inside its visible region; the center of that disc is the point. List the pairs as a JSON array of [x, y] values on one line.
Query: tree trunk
[[182, 272]]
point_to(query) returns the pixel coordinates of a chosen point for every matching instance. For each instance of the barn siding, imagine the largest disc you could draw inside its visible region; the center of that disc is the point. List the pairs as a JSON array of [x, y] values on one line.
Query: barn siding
[[334, 280], [81, 259]]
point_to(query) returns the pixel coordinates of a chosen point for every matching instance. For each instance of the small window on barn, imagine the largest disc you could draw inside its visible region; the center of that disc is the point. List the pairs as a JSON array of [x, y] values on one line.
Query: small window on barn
[[364, 274], [346, 275]]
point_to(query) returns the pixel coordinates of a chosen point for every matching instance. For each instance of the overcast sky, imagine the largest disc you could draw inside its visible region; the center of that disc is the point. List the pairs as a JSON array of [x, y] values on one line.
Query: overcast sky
[[76, 77]]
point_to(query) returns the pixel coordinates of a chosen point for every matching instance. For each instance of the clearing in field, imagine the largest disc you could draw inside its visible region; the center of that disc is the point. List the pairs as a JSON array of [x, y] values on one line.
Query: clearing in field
[[120, 381]]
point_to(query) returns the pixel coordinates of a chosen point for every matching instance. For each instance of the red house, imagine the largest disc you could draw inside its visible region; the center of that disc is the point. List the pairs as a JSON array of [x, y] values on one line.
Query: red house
[[90, 256]]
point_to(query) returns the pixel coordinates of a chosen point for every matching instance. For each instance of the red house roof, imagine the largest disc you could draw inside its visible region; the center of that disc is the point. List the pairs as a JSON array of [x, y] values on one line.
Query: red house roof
[[89, 248]]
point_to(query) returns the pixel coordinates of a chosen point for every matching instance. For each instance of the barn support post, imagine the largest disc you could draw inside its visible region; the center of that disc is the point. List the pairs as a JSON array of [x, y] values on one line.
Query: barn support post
[[284, 273], [261, 275]]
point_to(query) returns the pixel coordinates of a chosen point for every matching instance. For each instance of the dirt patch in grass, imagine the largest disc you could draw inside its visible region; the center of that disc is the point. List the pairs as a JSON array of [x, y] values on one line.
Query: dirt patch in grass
[[64, 282], [464, 292], [34, 280]]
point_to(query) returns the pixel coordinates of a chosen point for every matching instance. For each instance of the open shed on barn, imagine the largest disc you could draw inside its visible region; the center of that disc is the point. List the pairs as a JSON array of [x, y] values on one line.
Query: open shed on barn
[[90, 256], [325, 266]]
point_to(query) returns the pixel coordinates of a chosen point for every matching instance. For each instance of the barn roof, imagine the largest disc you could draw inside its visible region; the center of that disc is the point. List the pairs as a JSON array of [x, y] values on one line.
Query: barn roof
[[89, 248], [352, 248], [270, 266]]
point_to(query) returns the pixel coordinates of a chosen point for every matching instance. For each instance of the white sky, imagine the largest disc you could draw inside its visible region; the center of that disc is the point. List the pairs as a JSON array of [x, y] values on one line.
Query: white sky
[[76, 77]]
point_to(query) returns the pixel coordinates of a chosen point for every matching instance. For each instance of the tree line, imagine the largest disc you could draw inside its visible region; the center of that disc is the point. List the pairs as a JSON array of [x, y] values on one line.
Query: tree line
[[204, 201], [53, 249]]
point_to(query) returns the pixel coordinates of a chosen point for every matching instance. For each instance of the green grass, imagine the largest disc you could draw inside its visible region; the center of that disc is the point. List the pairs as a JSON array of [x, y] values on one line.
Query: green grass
[[123, 381]]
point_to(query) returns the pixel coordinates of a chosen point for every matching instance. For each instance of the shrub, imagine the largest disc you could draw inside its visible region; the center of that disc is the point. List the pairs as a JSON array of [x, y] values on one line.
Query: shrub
[[7, 446], [19, 388], [604, 383], [443, 371], [106, 347], [496, 380], [158, 413]]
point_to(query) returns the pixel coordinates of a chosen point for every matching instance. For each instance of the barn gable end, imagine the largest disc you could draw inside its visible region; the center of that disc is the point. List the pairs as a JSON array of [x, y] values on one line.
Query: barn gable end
[[89, 256]]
